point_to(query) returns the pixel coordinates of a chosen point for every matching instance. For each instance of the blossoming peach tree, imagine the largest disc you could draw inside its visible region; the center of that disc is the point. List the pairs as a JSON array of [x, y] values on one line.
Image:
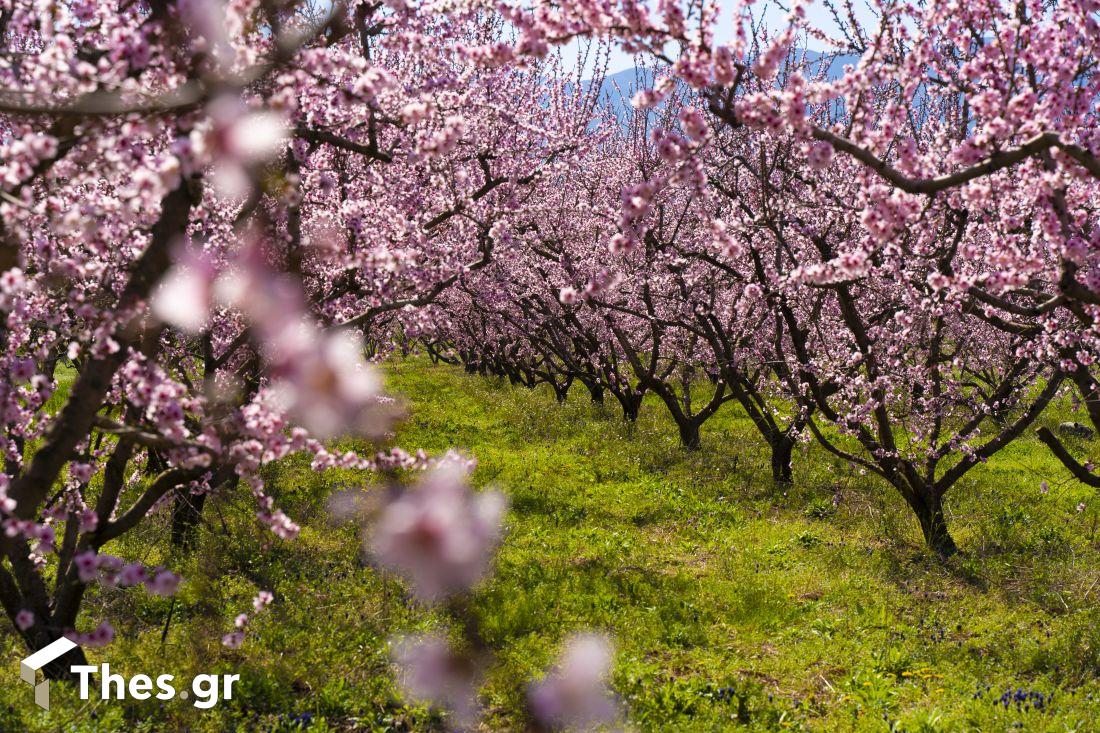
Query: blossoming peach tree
[[211, 215], [923, 306]]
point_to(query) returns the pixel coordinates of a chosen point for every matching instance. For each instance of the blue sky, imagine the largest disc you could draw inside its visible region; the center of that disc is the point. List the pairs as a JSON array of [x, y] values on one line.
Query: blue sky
[[773, 18]]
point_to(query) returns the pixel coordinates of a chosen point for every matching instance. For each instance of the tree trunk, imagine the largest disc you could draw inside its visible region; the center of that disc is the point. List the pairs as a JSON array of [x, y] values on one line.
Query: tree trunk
[[561, 391], [186, 513], [689, 435], [927, 504], [782, 449], [631, 404], [595, 391]]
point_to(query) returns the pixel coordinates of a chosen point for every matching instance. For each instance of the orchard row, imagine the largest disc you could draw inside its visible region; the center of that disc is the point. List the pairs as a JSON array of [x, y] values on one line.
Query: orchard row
[[215, 215]]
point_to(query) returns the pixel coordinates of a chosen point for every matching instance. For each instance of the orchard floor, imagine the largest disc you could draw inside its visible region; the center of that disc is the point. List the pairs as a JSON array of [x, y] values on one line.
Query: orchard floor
[[735, 605]]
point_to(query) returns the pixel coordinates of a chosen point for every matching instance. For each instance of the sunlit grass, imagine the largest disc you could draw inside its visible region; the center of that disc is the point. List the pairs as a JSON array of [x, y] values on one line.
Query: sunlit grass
[[735, 604]]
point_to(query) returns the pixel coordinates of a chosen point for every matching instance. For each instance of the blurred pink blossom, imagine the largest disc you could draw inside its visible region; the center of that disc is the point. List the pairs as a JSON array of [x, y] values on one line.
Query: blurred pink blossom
[[262, 600], [164, 583], [575, 695], [184, 296], [440, 535], [24, 619], [233, 640], [431, 671]]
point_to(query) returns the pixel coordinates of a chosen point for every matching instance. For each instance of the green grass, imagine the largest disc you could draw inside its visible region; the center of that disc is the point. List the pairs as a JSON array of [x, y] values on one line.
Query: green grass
[[734, 604]]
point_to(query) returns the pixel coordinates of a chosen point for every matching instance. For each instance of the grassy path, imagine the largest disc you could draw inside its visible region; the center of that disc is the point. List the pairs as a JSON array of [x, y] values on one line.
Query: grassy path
[[734, 602], [735, 605]]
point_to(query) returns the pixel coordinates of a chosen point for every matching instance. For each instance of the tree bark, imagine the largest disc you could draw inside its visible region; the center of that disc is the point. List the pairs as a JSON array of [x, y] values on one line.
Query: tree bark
[[1078, 470], [631, 405], [782, 449], [927, 504], [186, 514], [595, 391], [689, 435], [561, 391]]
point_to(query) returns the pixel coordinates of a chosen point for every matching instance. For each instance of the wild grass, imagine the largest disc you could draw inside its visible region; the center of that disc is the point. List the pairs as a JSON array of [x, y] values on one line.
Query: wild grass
[[735, 604]]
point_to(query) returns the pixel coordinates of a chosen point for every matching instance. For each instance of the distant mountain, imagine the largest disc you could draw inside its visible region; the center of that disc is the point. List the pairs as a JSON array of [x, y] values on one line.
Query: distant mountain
[[619, 88]]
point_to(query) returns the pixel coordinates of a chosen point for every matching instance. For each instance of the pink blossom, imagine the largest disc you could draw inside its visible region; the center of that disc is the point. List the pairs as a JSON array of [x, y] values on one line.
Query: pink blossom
[[440, 535], [81, 472], [101, 636], [328, 386], [647, 99], [22, 370], [430, 670], [725, 71], [619, 244], [569, 296], [575, 695], [163, 583], [184, 297], [262, 600], [671, 148], [819, 155], [88, 519], [24, 619], [247, 137], [233, 640], [695, 126], [87, 566], [133, 574]]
